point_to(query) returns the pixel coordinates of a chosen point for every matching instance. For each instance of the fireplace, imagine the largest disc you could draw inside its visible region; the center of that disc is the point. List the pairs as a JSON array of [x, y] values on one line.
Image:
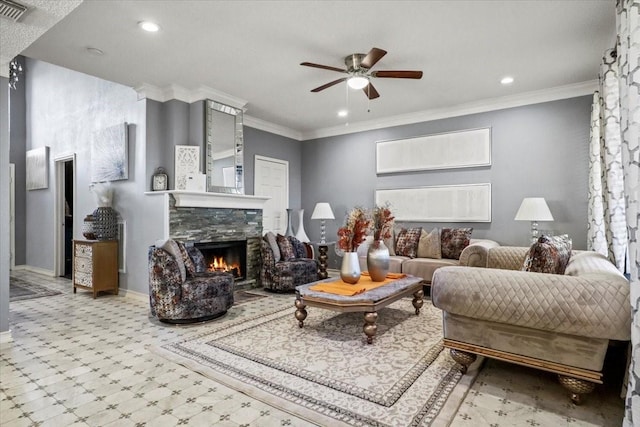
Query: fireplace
[[229, 256]]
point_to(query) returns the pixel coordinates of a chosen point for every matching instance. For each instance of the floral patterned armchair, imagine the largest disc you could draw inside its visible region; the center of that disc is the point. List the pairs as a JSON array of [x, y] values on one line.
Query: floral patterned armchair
[[285, 263], [180, 288]]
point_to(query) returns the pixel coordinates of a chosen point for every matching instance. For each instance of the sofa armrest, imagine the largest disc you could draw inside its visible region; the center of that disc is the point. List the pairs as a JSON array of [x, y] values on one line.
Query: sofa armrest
[[594, 305], [507, 257], [475, 255]]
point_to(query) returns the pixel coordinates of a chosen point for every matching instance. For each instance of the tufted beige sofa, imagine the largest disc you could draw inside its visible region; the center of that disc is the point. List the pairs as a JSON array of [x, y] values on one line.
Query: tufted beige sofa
[[558, 323], [474, 255]]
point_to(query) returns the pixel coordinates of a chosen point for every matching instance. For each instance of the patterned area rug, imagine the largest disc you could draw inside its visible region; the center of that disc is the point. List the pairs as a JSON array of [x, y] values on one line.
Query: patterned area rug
[[20, 289], [241, 297], [326, 373]]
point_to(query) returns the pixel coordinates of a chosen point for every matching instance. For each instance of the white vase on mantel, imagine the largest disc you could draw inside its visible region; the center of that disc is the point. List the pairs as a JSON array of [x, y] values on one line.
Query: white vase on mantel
[[301, 235]]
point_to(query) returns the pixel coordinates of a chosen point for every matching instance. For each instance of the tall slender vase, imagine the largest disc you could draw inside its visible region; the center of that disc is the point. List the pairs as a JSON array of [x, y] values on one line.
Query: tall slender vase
[[350, 269], [289, 227], [301, 235], [378, 260]]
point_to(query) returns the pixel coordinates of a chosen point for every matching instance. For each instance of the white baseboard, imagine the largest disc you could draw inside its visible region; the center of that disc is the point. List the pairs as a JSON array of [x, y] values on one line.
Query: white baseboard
[[138, 296], [6, 337], [43, 271]]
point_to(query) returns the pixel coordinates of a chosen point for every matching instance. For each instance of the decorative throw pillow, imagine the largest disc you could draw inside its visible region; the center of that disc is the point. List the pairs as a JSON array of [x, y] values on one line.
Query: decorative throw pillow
[[286, 248], [550, 254], [429, 244], [407, 244], [189, 265], [272, 241], [298, 248], [174, 250], [390, 243], [453, 241], [198, 258]]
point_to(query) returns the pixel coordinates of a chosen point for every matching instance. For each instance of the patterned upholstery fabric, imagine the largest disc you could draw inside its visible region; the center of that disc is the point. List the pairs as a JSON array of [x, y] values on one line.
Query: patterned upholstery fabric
[[286, 248], [285, 275], [407, 244], [298, 247], [453, 241], [206, 294], [197, 258], [548, 255], [189, 265]]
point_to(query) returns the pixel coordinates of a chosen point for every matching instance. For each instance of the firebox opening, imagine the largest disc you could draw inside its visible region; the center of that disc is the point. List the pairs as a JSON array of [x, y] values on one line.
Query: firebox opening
[[225, 256]]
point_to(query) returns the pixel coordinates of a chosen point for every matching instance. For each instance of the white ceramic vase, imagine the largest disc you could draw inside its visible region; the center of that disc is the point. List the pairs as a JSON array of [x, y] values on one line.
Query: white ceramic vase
[[301, 235]]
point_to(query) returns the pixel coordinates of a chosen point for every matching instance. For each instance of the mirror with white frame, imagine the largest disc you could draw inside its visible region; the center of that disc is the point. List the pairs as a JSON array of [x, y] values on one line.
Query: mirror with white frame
[[224, 148]]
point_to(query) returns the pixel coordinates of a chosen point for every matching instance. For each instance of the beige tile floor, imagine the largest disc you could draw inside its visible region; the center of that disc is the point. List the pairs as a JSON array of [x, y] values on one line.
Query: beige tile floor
[[79, 361]]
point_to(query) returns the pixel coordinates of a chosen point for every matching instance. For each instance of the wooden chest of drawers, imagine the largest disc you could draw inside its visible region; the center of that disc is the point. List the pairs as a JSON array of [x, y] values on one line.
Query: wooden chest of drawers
[[95, 265]]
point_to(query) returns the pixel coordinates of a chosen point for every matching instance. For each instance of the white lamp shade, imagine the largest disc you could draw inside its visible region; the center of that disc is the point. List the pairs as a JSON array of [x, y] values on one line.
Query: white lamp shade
[[322, 211], [534, 209]]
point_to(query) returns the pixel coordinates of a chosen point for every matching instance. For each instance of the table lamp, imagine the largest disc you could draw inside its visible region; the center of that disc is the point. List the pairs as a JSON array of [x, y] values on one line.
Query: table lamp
[[322, 212], [534, 209]]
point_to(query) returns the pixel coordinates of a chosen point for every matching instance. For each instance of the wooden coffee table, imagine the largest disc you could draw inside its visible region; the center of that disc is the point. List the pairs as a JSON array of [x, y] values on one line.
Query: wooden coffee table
[[368, 302]]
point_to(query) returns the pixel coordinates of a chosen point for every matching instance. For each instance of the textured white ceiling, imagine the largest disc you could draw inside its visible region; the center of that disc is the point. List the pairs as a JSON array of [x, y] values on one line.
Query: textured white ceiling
[[252, 50]]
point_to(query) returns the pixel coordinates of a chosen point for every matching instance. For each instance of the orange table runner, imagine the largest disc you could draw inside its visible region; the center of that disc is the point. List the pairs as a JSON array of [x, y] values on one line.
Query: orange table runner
[[338, 287]]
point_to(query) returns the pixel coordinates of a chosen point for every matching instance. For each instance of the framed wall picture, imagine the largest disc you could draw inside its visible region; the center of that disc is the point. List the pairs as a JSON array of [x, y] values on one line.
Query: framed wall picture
[[187, 162], [37, 168], [109, 154], [445, 203], [461, 149]]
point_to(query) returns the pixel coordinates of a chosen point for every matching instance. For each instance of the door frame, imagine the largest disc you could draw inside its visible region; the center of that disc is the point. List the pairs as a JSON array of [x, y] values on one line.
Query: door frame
[[59, 209], [285, 163], [12, 216]]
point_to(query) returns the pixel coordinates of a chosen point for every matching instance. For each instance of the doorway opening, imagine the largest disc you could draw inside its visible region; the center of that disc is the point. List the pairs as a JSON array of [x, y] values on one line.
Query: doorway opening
[[64, 214]]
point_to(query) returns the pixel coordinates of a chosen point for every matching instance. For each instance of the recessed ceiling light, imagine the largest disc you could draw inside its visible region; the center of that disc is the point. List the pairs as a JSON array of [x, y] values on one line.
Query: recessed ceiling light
[[149, 26], [507, 80], [343, 113], [95, 51]]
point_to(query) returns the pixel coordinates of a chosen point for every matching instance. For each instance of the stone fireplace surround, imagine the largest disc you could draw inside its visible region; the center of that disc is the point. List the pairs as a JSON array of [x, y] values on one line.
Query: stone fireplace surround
[[199, 217]]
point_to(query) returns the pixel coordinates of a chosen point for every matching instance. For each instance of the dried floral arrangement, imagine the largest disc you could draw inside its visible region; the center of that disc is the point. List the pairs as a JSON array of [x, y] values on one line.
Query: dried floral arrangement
[[382, 221], [353, 233]]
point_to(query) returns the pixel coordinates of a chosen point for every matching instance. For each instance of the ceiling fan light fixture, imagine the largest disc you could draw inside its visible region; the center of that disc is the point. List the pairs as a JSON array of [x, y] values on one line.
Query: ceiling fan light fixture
[[358, 82]]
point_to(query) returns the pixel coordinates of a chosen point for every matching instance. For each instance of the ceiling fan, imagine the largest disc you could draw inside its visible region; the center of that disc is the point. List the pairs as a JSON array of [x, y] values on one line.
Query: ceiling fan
[[358, 68]]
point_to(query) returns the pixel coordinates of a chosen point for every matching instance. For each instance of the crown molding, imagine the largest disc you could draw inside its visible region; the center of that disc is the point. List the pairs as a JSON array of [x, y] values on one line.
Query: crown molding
[[256, 123], [167, 93], [492, 104]]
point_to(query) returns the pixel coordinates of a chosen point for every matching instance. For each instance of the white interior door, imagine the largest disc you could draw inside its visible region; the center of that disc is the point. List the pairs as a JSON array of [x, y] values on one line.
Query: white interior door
[[271, 178]]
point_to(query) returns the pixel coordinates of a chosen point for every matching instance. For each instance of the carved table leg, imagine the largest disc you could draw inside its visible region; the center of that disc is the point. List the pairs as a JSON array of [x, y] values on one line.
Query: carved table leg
[[577, 387], [463, 358], [370, 328], [301, 313], [322, 261], [417, 300]]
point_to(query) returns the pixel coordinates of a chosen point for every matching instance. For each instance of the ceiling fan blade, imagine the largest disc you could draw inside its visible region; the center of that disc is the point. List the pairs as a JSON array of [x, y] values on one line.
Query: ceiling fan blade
[[371, 91], [324, 67], [397, 74], [372, 57], [323, 87]]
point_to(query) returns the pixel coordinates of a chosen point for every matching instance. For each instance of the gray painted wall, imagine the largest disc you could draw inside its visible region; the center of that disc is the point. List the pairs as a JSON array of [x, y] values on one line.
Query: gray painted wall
[[4, 204], [538, 150], [64, 108], [18, 140], [258, 142]]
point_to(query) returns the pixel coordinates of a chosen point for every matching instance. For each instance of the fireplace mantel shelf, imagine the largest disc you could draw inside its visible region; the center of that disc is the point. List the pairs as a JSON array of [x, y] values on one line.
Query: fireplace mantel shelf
[[201, 199]]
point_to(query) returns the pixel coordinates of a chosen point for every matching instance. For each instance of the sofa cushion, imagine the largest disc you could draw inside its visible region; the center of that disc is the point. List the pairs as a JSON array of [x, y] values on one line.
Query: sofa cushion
[[429, 244], [298, 247], [407, 243], [425, 267], [453, 241], [390, 242], [550, 254], [286, 248], [273, 243]]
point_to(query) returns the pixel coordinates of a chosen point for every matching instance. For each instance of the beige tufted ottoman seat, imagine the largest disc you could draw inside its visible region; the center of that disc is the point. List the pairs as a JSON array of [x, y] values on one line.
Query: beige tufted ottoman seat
[[558, 323]]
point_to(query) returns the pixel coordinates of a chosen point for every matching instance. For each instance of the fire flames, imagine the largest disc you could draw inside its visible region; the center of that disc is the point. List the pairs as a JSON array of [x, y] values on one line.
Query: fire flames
[[218, 263]]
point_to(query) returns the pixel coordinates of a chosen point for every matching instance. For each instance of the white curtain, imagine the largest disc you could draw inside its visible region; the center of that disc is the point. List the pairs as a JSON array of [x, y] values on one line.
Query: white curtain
[[607, 229], [628, 59]]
